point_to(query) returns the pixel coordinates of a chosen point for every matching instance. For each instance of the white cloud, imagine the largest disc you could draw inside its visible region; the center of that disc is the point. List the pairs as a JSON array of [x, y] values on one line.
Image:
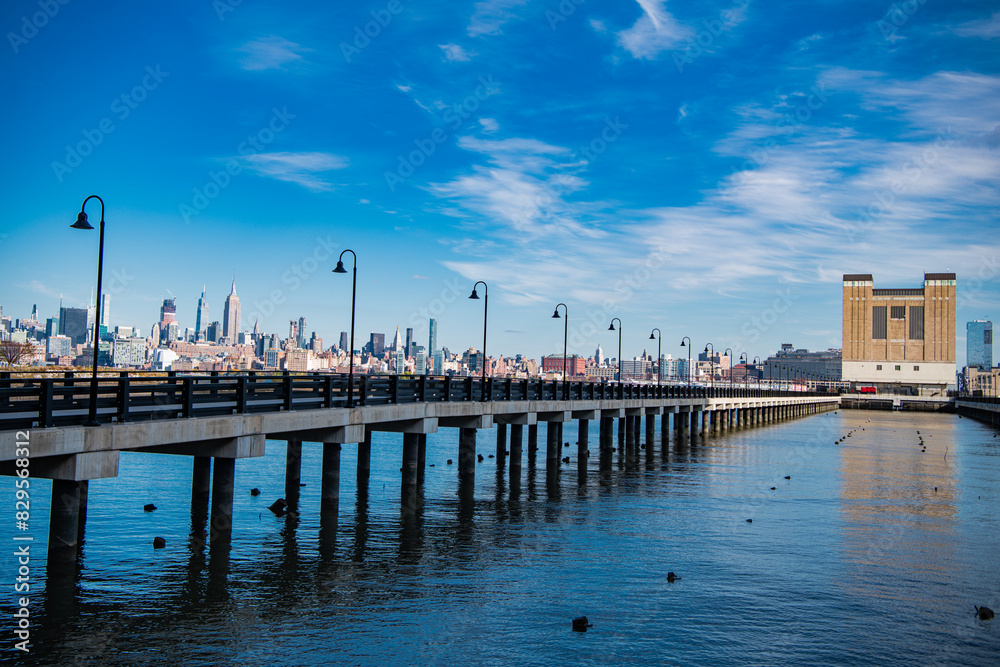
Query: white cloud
[[301, 168], [490, 15], [269, 53], [654, 32], [490, 125], [455, 53], [984, 28]]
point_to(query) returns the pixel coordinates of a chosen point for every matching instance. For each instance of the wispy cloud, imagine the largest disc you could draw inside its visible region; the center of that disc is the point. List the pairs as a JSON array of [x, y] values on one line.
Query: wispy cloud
[[490, 125], [491, 15], [985, 28], [654, 32], [301, 168], [269, 53], [455, 53]]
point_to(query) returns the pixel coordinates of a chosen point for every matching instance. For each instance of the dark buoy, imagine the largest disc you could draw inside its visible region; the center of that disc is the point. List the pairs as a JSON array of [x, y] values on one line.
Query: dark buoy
[[159, 543], [984, 613], [148, 508], [278, 506], [431, 465], [255, 491], [749, 520], [788, 476], [671, 577], [301, 485], [490, 456], [773, 488], [565, 459], [449, 461], [565, 444], [480, 457], [580, 624]]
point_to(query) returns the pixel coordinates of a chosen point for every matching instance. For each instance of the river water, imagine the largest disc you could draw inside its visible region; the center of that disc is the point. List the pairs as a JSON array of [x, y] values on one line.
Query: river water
[[872, 553]]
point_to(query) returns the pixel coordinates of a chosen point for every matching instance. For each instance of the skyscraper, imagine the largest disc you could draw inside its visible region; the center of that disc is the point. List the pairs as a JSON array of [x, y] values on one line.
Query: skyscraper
[[979, 344], [73, 323], [302, 332], [201, 320], [409, 341], [231, 315], [168, 316], [105, 310], [344, 342], [397, 342], [432, 338], [377, 344]]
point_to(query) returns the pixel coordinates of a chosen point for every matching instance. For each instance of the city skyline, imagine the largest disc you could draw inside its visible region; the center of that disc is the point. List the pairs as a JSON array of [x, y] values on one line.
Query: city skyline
[[709, 170]]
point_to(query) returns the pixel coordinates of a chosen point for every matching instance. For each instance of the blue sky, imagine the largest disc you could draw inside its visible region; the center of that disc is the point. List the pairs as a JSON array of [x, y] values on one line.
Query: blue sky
[[707, 168]]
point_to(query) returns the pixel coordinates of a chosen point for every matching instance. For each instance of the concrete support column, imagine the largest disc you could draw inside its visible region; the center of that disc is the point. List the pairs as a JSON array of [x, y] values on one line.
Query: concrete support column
[[223, 478], [201, 484], [532, 438], [501, 441], [293, 472], [467, 453], [650, 432], [411, 460], [516, 435], [606, 435], [365, 459], [622, 432], [664, 431], [706, 416], [695, 421], [64, 523], [330, 485], [553, 442], [583, 441]]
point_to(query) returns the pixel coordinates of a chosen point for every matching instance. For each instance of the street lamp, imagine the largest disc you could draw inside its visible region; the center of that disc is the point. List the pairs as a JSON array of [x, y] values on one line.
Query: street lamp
[[555, 315], [689, 357], [659, 355], [711, 360], [81, 223], [729, 355], [756, 360], [486, 306], [746, 376], [612, 328], [350, 353]]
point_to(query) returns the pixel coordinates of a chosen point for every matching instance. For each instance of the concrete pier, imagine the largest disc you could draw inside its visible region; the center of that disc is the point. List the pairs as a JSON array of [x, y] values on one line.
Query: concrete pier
[[411, 461], [223, 478], [501, 442], [201, 486], [467, 453], [365, 458], [516, 436], [532, 438], [582, 444], [330, 485], [293, 472], [64, 524], [553, 444]]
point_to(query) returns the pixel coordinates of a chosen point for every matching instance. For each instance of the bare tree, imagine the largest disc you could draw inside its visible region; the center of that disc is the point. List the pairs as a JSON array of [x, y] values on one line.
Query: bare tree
[[13, 352]]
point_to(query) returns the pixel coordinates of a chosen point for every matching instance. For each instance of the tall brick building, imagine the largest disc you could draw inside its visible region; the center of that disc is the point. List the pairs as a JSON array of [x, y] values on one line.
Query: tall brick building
[[900, 338]]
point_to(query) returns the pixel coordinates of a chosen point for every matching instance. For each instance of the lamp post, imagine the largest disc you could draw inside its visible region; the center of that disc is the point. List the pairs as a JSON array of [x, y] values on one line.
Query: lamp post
[[350, 353], [729, 355], [659, 353], [486, 307], [746, 375], [689, 357], [555, 315], [711, 360], [756, 360], [612, 328], [81, 223]]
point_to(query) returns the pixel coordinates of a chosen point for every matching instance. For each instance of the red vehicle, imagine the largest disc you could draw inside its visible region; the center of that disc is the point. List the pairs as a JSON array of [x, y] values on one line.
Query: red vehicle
[[865, 390]]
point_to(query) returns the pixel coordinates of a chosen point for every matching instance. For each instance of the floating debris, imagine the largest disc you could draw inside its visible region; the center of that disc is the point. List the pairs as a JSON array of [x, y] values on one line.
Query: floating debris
[[580, 624], [159, 543], [279, 506], [148, 508], [984, 613], [255, 491], [671, 577]]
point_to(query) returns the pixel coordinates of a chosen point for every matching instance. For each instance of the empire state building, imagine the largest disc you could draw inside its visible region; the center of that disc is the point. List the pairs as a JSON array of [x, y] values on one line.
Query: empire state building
[[231, 316]]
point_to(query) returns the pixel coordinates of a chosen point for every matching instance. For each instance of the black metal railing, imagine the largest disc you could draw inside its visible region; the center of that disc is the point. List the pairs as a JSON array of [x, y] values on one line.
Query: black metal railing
[[64, 400]]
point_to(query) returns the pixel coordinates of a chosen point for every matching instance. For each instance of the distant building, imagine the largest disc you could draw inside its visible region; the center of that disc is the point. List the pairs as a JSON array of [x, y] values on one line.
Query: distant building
[[900, 339], [979, 344], [214, 332], [231, 315], [409, 342], [575, 364], [128, 352], [377, 344], [59, 346], [73, 323], [344, 342], [201, 319], [105, 310], [802, 364], [302, 332], [432, 336]]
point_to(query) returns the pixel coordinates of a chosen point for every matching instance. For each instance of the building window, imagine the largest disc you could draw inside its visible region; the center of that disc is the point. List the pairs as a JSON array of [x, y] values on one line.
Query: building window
[[988, 336], [878, 322], [916, 322], [878, 367], [916, 368], [897, 312], [897, 368]]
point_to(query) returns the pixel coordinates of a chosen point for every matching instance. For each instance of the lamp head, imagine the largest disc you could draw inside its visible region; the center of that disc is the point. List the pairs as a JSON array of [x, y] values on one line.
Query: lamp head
[[473, 295], [340, 267], [81, 222], [683, 344], [612, 327], [651, 336], [555, 315]]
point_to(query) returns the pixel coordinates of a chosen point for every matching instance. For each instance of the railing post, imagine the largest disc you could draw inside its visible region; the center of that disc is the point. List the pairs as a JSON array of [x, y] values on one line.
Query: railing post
[[447, 388], [422, 388], [241, 395], [123, 398], [287, 385], [44, 403], [328, 391], [394, 390], [509, 389], [488, 389], [364, 390], [469, 385], [187, 396]]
